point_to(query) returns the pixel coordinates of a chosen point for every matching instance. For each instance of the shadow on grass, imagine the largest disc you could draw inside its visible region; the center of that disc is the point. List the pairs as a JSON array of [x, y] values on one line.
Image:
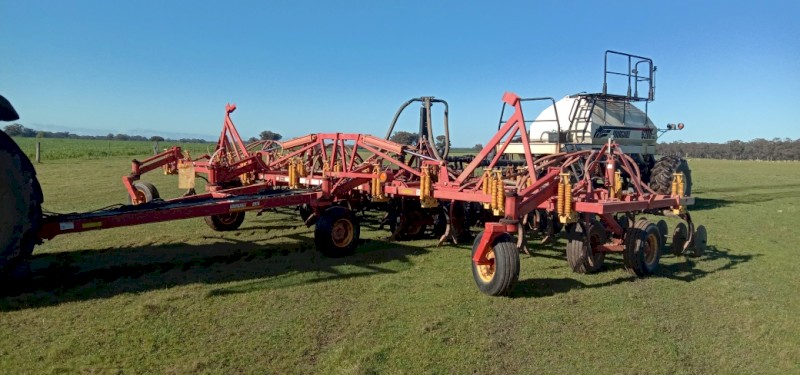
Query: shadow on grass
[[701, 204], [689, 271], [95, 274], [686, 271]]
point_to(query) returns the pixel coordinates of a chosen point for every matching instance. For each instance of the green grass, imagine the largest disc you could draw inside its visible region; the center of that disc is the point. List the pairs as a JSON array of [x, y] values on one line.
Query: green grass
[[179, 298], [59, 148]]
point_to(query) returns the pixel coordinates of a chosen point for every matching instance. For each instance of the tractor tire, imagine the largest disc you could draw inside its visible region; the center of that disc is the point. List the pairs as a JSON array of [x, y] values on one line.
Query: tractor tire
[[580, 254], [642, 248], [20, 208], [498, 278], [145, 191], [225, 222], [661, 175], [337, 232]]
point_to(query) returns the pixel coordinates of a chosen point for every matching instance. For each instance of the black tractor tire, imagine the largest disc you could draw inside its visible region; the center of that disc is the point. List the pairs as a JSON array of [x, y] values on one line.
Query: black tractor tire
[[225, 222], [661, 175], [20, 207], [580, 254], [500, 277], [147, 190], [337, 232], [642, 248]]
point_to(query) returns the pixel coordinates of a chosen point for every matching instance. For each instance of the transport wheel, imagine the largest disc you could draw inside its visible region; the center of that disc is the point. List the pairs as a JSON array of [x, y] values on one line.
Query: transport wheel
[[679, 236], [337, 232], [225, 222], [642, 248], [20, 208], [145, 192], [580, 254], [698, 246], [498, 277], [661, 175], [663, 228]]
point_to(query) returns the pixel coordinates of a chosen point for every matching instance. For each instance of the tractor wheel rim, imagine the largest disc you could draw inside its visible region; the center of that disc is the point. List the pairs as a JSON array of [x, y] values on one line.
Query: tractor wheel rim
[[486, 271], [342, 233], [650, 248]]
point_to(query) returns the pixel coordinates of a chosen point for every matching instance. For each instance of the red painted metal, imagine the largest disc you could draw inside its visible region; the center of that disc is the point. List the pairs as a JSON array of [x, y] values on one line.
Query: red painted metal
[[340, 166]]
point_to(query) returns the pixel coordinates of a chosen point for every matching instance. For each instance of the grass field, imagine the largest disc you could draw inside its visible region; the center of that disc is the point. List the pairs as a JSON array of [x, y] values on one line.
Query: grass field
[[180, 298], [58, 149]]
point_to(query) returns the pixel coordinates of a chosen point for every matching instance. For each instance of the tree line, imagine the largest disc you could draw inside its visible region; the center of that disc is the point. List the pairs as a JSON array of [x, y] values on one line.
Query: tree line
[[18, 130], [756, 149]]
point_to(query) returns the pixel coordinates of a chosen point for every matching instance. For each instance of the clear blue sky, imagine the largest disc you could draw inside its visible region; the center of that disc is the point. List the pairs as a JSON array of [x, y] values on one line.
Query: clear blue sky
[[727, 70]]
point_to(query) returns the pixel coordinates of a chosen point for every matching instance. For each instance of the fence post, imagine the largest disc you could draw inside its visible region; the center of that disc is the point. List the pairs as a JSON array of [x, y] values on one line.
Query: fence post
[[155, 148], [38, 152]]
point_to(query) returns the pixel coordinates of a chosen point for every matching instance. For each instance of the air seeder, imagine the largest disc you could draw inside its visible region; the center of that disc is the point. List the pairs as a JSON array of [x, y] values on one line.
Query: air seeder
[[332, 175]]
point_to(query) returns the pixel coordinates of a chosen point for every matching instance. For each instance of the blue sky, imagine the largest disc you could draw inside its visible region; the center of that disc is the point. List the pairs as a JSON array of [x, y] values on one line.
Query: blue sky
[[728, 70]]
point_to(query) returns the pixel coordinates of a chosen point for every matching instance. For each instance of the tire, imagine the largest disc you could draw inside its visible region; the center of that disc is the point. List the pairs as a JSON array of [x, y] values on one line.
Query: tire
[[661, 175], [337, 232], [144, 191], [225, 222], [580, 255], [642, 248], [663, 228], [20, 206], [500, 277]]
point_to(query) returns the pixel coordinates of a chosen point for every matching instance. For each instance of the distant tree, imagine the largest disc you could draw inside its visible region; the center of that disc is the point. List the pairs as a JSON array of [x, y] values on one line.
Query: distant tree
[[477, 147], [14, 130], [156, 138], [122, 137], [440, 142], [40, 134], [110, 136], [405, 138], [268, 135], [252, 139]]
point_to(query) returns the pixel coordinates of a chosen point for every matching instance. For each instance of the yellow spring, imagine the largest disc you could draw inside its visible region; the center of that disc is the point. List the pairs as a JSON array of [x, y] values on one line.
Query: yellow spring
[[617, 191], [485, 182], [568, 199], [499, 194], [560, 198], [423, 183], [292, 175], [337, 167], [301, 167]]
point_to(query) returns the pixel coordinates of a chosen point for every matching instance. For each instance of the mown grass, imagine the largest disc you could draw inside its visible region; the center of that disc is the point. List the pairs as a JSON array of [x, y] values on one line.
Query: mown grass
[[59, 148], [180, 298]]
